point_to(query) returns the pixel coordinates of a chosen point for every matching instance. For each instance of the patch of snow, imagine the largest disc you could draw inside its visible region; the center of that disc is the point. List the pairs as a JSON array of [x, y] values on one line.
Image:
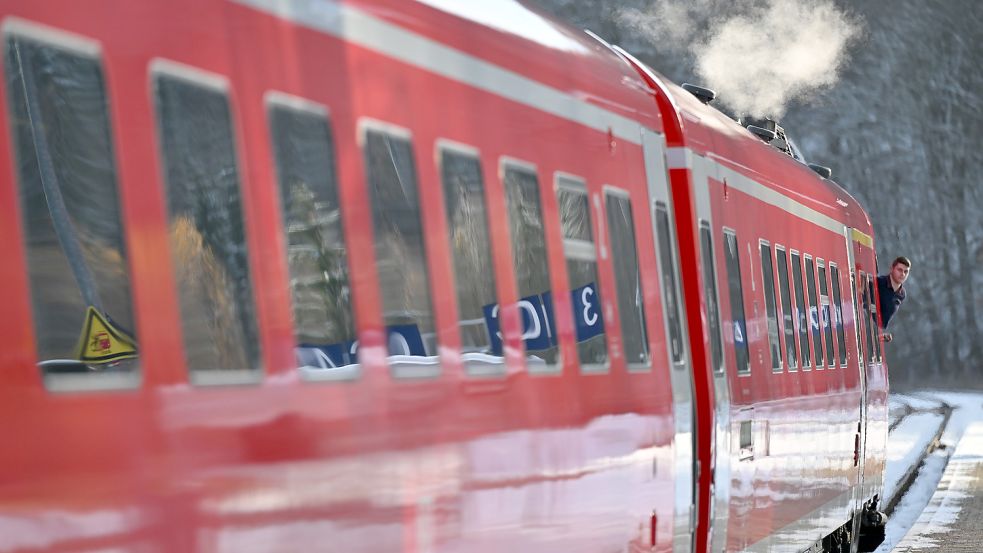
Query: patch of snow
[[905, 446], [914, 517]]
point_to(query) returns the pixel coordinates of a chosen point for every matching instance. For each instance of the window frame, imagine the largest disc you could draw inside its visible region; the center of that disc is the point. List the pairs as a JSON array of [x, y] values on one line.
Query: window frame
[[805, 358], [221, 84], [711, 282], [611, 190], [441, 146], [575, 249], [792, 365], [277, 99], [81, 46], [863, 318], [836, 291], [659, 206], [831, 363], [777, 365], [813, 280], [746, 371], [505, 163], [427, 366], [873, 315]]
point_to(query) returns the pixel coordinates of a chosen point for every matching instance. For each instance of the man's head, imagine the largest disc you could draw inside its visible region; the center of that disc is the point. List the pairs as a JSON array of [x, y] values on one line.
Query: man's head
[[900, 269]]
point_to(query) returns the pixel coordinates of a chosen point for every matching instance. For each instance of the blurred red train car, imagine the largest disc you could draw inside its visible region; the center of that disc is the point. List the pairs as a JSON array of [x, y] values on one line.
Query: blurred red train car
[[375, 276]]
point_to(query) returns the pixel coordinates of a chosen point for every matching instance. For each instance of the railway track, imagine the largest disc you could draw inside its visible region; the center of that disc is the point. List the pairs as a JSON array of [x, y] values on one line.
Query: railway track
[[941, 408]]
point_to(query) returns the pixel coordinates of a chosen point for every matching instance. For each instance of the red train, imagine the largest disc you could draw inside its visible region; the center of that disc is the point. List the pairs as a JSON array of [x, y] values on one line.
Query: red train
[[375, 276]]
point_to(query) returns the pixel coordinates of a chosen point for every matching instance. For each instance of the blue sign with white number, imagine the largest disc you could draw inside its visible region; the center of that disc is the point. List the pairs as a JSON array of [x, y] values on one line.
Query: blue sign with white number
[[538, 331], [587, 312]]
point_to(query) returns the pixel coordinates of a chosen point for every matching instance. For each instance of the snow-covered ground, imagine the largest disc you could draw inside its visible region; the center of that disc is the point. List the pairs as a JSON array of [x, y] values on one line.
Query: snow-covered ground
[[918, 514]]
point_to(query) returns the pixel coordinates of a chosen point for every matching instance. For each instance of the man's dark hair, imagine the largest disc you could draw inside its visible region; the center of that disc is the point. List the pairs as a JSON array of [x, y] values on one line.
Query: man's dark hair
[[902, 260]]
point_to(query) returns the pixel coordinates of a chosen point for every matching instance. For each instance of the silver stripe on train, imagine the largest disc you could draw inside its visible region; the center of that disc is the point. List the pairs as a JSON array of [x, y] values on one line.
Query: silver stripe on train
[[684, 158], [356, 26]]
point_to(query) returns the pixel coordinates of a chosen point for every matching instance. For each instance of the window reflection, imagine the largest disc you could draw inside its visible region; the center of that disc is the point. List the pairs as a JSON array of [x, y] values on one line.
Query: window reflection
[[801, 311], [400, 253], [207, 231], [668, 268], [324, 325], [76, 255], [624, 255], [474, 274], [768, 278], [710, 291], [834, 273], [814, 314], [530, 264], [825, 314], [734, 284], [579, 249], [786, 297]]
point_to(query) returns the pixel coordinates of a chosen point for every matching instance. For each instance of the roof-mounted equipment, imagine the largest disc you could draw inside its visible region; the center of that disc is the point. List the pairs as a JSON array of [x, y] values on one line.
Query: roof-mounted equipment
[[765, 129], [763, 133], [774, 134], [824, 172], [702, 94]]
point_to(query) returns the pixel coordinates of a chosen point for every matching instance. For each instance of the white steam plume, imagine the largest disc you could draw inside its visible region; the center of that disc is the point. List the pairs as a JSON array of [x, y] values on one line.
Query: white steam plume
[[757, 55], [670, 25]]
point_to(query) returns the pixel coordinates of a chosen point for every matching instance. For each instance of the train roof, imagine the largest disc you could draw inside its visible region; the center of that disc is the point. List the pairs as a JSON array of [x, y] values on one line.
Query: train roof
[[524, 41], [708, 131], [521, 39]]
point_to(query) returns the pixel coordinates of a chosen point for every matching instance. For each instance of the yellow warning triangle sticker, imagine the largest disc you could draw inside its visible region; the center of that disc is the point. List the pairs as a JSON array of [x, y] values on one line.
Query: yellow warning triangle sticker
[[102, 342]]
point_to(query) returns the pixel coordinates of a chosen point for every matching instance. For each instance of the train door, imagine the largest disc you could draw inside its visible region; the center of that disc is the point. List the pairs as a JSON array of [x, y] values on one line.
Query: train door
[[857, 283], [705, 178], [684, 413]]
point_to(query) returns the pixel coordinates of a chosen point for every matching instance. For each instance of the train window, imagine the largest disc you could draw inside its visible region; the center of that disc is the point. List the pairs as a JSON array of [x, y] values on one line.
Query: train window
[[528, 261], [817, 337], [859, 307], [74, 240], [399, 252], [738, 322], [872, 325], [746, 441], [324, 325], [800, 312], [857, 281], [875, 351], [624, 256], [768, 277], [710, 289], [787, 319], [825, 315], [865, 320], [578, 248], [834, 275], [876, 328], [470, 246], [206, 227], [668, 269]]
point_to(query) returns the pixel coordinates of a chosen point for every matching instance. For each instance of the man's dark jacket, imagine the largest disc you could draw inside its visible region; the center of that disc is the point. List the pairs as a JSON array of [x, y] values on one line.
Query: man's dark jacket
[[890, 300]]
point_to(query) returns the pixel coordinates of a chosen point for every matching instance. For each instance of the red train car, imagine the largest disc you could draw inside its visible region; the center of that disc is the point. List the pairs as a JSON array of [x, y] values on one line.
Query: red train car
[[377, 276]]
